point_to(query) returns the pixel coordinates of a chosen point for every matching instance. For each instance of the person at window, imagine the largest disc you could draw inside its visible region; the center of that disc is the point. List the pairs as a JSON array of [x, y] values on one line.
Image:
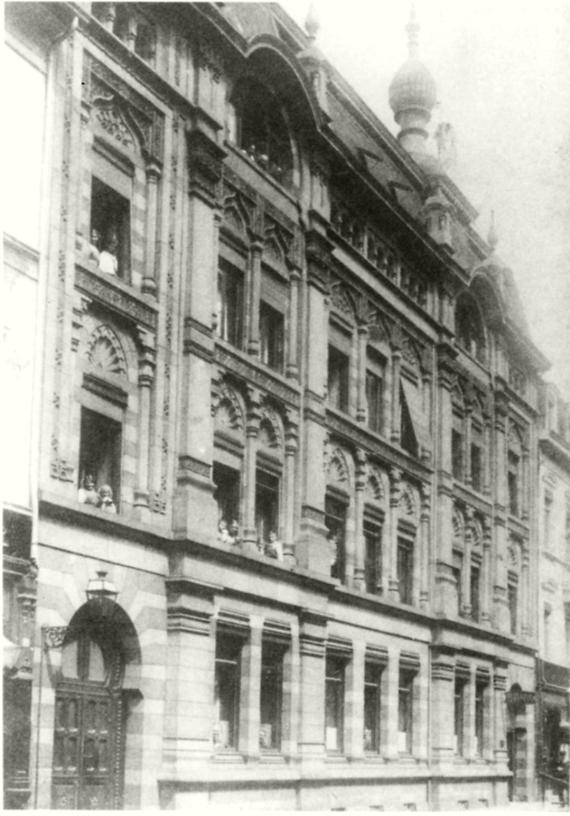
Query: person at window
[[93, 251], [223, 532], [333, 541], [108, 258], [274, 547], [88, 493], [106, 499], [234, 534]]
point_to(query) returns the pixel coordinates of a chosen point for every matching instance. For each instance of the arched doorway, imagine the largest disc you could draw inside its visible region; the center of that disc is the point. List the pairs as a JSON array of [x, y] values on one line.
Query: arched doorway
[[90, 711]]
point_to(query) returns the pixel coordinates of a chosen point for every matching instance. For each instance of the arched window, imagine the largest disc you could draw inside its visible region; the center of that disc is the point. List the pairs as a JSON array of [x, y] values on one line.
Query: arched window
[[469, 330], [261, 130]]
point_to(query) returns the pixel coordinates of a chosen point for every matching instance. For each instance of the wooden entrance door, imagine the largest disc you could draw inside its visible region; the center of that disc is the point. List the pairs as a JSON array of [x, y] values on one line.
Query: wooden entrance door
[[88, 749]]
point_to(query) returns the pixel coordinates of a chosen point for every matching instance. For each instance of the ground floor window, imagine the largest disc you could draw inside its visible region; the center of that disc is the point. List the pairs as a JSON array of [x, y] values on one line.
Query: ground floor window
[[372, 687], [334, 704], [226, 692], [405, 711], [271, 696]]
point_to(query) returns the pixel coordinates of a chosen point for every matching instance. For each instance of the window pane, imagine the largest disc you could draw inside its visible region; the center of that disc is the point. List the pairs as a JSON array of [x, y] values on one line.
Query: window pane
[[271, 697], [374, 393], [110, 229], [338, 366], [372, 676], [226, 693], [475, 592], [405, 713], [230, 304], [227, 493], [334, 704], [405, 571], [373, 562], [335, 521], [99, 460], [271, 336], [457, 454], [266, 505]]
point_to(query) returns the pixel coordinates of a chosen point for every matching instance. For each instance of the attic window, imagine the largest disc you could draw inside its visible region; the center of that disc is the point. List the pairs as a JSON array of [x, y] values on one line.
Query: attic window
[[261, 130], [469, 328]]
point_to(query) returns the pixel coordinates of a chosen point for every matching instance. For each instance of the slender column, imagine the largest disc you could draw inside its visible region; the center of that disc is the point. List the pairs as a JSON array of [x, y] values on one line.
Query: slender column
[[354, 714], [525, 594], [354, 375], [361, 407], [292, 369], [486, 571], [421, 709], [153, 175], [425, 546], [445, 585], [501, 612], [466, 574], [395, 495], [146, 380], [396, 365], [251, 430], [291, 696], [525, 493], [291, 447], [467, 444], [487, 457], [359, 558], [389, 703], [387, 402], [256, 251], [250, 689]]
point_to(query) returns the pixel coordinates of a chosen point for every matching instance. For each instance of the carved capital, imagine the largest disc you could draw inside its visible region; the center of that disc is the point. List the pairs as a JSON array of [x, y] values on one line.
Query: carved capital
[[53, 636]]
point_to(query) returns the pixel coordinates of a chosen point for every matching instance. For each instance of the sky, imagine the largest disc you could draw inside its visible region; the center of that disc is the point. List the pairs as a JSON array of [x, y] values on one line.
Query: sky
[[502, 70]]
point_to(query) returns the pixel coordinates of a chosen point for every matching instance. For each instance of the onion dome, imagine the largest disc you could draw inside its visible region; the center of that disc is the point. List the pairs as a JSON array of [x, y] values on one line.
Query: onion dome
[[413, 87]]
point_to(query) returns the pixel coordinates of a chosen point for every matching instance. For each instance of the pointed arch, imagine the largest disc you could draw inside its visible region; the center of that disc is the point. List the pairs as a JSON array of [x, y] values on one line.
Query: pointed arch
[[105, 351], [409, 502], [338, 472], [270, 434], [229, 412], [375, 485]]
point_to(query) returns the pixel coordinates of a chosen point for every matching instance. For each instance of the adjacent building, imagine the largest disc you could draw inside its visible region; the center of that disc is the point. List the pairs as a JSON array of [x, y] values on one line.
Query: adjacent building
[[283, 537], [553, 675]]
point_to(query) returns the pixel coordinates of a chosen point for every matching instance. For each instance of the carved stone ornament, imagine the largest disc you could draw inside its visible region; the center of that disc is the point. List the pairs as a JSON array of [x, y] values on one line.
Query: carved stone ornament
[[228, 412], [458, 526], [337, 469], [105, 351], [375, 485], [270, 434], [408, 502]]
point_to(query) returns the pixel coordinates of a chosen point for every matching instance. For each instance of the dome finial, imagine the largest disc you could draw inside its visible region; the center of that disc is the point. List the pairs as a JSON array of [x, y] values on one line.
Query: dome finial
[[312, 23], [413, 29], [492, 237]]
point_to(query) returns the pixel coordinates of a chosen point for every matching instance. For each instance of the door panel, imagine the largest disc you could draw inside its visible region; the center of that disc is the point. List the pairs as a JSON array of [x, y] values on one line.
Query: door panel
[[86, 749]]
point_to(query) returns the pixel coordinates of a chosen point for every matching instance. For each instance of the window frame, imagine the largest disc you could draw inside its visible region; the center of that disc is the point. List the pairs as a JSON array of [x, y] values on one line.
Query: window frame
[[233, 641], [231, 307], [405, 588], [271, 336], [115, 442], [372, 526], [333, 522], [374, 685], [272, 658], [406, 681], [338, 378]]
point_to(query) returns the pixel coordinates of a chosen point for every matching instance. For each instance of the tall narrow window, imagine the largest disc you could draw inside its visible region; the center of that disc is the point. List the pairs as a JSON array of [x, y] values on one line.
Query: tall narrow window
[[230, 304], [456, 571], [408, 438], [513, 602], [475, 592], [476, 467], [373, 556], [405, 711], [227, 482], [334, 704], [335, 521], [266, 504], [338, 366], [372, 680], [271, 697], [513, 482], [100, 455], [459, 715], [405, 570], [226, 692], [457, 453], [479, 717], [271, 336], [375, 392], [110, 228]]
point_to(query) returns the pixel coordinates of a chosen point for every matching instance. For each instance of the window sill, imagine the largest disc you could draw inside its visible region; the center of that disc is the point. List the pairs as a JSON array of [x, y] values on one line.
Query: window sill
[[114, 293]]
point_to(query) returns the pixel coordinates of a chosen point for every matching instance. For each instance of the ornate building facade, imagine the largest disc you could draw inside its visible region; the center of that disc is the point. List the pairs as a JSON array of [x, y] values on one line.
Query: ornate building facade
[[283, 542]]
